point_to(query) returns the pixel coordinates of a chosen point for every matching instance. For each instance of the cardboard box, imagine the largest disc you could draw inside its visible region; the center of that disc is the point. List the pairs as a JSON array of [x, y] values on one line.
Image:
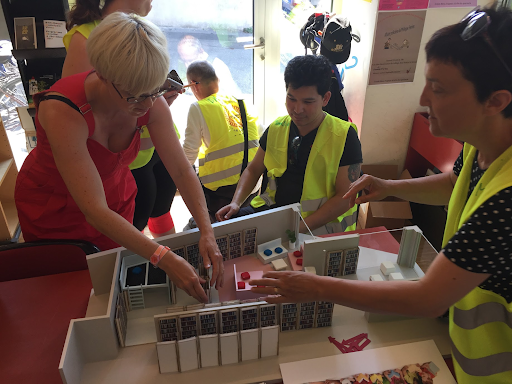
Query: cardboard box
[[390, 212]]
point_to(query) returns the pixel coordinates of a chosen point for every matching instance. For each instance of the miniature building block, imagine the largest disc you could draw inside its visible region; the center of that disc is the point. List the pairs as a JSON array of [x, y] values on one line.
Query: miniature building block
[[310, 270], [396, 276], [376, 278], [188, 354], [246, 275], [249, 341], [299, 261], [269, 341], [229, 348], [241, 285], [279, 264], [297, 253], [276, 249], [209, 347], [387, 267], [167, 355]]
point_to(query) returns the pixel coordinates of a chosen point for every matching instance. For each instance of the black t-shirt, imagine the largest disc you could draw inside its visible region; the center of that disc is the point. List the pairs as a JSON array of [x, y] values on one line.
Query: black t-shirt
[[289, 185], [484, 243]]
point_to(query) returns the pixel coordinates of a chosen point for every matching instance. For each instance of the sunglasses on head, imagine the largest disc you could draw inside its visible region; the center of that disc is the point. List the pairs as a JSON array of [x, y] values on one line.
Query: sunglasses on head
[[478, 22]]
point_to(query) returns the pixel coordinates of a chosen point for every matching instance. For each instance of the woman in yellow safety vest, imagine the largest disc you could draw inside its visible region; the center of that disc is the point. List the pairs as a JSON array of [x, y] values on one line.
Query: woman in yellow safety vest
[[468, 93], [155, 188]]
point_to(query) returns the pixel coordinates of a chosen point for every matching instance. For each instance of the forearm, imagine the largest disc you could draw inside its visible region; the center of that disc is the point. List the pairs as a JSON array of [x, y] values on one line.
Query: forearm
[[121, 231], [190, 189], [398, 297], [328, 212], [245, 186], [431, 190]]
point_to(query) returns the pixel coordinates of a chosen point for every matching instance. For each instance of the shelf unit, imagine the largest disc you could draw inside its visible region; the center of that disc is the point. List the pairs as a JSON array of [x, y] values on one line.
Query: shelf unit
[[41, 61], [8, 174]]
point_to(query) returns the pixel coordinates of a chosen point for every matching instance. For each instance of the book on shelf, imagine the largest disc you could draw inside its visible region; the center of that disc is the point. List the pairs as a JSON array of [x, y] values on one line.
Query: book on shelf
[[54, 31], [25, 32]]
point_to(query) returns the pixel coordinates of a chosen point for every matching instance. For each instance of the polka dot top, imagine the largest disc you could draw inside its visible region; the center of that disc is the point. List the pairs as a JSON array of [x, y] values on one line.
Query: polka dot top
[[484, 243]]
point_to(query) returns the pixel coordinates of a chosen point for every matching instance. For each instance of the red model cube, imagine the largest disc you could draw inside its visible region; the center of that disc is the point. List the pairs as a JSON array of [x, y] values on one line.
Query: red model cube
[[245, 276], [297, 253], [299, 261], [241, 285]]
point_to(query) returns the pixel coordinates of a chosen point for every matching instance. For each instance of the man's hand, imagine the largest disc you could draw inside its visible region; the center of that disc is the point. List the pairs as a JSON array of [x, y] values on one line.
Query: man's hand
[[227, 212], [183, 275], [171, 95], [212, 257], [288, 287], [374, 188]]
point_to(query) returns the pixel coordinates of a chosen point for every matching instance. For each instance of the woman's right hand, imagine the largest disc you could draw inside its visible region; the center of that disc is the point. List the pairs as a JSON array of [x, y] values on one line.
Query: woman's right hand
[[373, 187], [183, 275], [227, 212]]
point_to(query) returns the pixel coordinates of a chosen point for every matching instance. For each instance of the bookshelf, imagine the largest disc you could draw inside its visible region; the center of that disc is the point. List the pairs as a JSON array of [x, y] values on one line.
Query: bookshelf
[[41, 62], [8, 174]]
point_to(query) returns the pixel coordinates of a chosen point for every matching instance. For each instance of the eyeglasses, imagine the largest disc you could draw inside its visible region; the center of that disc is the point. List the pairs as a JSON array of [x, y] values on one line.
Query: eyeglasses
[[294, 150], [478, 22], [141, 98]]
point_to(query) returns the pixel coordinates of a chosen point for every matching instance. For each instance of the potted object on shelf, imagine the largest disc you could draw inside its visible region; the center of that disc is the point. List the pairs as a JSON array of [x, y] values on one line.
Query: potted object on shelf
[[292, 239]]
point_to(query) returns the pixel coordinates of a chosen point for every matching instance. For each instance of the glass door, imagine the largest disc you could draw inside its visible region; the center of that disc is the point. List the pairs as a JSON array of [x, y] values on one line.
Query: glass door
[[216, 31]]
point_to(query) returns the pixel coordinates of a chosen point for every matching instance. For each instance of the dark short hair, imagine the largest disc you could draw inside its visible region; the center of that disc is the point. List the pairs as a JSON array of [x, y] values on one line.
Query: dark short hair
[[202, 71], [476, 60], [303, 71]]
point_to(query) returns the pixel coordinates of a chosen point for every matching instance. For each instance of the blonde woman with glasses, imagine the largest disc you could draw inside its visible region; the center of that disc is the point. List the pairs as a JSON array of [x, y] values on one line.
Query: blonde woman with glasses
[[76, 184]]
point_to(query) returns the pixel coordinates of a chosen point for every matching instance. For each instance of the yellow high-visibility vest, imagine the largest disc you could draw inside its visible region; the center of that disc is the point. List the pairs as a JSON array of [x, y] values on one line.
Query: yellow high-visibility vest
[[220, 164], [321, 169], [481, 322]]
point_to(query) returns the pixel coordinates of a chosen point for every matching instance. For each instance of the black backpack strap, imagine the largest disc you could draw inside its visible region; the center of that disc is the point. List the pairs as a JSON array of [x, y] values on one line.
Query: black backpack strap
[[246, 135]]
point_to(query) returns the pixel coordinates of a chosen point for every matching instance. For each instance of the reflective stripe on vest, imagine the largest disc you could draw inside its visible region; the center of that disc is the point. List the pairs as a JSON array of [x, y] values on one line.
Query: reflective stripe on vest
[[481, 322], [234, 149], [221, 163], [321, 170]]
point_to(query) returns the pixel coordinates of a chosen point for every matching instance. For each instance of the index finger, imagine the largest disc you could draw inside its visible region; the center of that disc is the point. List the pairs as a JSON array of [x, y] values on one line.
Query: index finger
[[198, 293], [356, 186], [263, 282]]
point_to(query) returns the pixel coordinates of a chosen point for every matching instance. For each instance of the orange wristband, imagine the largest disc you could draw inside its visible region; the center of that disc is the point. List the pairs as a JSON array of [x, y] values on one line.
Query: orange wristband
[[157, 256]]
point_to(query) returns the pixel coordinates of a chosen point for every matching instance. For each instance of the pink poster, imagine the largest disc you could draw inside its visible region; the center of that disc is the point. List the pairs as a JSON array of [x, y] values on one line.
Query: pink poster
[[451, 3], [399, 5]]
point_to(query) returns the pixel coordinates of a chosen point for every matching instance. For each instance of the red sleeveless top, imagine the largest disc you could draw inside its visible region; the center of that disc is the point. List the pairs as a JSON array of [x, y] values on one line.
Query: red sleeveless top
[[45, 207]]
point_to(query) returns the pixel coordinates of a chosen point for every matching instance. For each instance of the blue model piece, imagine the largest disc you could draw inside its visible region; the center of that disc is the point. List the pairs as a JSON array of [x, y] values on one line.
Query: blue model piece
[[278, 250], [267, 252]]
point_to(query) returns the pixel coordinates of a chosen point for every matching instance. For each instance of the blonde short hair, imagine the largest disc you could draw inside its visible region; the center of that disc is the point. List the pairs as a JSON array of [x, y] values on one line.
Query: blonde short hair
[[129, 51]]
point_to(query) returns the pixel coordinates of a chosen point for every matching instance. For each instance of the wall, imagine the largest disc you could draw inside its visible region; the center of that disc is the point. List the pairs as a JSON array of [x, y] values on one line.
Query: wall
[[389, 109]]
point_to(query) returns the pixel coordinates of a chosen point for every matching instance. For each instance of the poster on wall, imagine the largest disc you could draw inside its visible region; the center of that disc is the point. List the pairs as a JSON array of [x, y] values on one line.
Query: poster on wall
[[396, 47], [396, 5], [451, 3]]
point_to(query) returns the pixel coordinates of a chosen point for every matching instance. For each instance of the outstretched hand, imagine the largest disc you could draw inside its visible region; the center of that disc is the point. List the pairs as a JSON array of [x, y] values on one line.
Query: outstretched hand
[[288, 287], [212, 258], [227, 212], [183, 275], [373, 187]]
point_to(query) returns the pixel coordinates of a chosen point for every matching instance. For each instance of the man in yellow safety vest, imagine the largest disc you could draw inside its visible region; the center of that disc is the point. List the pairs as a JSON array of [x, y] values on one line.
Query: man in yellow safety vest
[[221, 132], [308, 155]]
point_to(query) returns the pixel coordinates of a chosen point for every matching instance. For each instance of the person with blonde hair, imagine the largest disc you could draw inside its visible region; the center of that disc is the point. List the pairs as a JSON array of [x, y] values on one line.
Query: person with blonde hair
[[76, 183], [155, 188]]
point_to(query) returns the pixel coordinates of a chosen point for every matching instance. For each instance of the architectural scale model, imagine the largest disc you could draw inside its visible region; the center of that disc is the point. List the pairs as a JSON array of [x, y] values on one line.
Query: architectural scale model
[[133, 303]]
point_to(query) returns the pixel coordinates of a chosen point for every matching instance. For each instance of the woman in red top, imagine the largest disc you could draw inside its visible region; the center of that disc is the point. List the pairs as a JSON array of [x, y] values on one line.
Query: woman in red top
[[76, 183]]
